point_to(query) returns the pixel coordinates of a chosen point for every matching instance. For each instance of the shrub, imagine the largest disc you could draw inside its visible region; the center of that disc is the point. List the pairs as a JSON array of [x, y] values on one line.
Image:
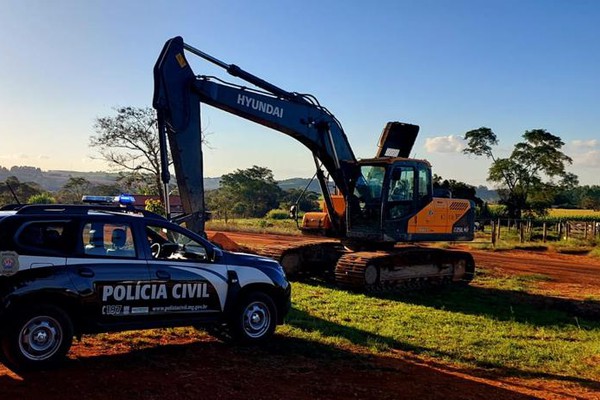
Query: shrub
[[41, 198], [278, 214], [155, 206]]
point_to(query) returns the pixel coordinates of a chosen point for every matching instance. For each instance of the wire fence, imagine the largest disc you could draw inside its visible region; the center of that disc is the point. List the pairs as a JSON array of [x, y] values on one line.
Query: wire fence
[[530, 230]]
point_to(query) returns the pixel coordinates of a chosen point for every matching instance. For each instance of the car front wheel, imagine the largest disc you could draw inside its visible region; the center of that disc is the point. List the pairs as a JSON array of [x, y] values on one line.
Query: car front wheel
[[255, 318]]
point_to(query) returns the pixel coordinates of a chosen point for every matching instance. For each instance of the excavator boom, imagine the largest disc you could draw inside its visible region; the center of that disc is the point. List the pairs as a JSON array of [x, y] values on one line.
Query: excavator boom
[[178, 93]]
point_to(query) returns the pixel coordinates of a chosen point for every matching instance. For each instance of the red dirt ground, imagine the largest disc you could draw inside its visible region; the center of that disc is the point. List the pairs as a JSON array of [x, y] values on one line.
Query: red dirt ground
[[179, 367]]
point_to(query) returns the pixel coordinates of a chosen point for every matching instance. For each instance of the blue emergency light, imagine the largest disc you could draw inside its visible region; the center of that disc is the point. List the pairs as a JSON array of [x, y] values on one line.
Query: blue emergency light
[[123, 199]]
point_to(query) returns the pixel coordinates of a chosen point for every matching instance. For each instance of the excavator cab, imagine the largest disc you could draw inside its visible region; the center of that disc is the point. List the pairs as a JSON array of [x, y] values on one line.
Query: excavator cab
[[388, 193], [393, 202]]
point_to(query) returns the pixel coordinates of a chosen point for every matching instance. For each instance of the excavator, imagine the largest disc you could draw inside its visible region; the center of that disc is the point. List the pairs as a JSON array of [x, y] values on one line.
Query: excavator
[[380, 208]]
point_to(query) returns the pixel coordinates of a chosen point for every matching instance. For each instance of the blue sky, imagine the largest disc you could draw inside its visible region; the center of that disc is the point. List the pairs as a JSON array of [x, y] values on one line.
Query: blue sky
[[448, 66]]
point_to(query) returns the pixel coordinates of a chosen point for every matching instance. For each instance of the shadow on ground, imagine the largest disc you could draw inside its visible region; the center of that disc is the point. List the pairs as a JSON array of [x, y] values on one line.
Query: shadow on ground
[[284, 369]]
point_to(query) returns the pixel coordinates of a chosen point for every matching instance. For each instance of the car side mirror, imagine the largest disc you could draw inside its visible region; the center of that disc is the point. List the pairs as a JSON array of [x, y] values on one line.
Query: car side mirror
[[216, 254], [293, 212]]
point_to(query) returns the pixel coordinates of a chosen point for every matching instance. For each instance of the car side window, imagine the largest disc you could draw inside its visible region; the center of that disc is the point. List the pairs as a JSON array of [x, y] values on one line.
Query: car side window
[[169, 244], [108, 240], [43, 237]]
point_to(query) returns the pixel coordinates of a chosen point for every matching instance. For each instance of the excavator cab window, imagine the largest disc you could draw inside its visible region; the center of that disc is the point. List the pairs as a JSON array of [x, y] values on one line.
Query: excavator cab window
[[365, 205], [369, 185], [425, 189], [401, 194]]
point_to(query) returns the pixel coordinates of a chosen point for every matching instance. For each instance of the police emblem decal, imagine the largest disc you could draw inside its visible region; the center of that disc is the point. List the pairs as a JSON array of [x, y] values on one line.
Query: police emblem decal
[[9, 263]]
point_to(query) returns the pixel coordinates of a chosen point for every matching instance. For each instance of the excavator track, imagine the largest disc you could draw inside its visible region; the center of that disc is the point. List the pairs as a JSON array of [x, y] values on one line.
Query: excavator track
[[403, 268], [406, 267], [306, 258]]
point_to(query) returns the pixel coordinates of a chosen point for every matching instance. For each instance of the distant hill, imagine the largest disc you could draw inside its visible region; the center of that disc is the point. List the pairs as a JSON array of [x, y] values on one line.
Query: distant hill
[[53, 180], [488, 195]]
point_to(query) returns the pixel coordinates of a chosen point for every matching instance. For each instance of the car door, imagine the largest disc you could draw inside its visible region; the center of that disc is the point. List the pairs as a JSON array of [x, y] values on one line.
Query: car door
[[110, 272], [192, 284]]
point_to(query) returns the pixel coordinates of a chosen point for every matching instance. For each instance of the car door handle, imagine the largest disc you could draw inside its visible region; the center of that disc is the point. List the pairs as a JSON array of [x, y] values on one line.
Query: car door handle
[[86, 272], [160, 274]]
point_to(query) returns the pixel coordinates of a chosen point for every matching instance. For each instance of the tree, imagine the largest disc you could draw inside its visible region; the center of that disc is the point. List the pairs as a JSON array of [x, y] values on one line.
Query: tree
[[307, 201], [74, 189], [129, 142], [219, 204], [527, 177], [250, 192], [586, 197], [22, 190], [110, 189], [137, 182]]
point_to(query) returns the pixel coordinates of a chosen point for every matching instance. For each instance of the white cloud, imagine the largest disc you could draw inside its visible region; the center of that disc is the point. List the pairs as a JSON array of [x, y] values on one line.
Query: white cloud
[[588, 159], [585, 153], [19, 156], [590, 144], [444, 144]]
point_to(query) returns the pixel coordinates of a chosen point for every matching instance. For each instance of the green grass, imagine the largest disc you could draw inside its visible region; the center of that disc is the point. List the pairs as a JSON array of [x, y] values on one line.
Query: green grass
[[495, 324], [595, 252], [257, 225]]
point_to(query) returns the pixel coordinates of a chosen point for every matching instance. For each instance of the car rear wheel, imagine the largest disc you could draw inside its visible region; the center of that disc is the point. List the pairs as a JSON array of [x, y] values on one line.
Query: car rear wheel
[[38, 338]]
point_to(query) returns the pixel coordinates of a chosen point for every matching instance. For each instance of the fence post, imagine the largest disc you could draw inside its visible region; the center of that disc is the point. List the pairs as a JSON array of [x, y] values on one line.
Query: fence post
[[545, 232], [521, 232], [493, 233], [499, 225], [559, 230]]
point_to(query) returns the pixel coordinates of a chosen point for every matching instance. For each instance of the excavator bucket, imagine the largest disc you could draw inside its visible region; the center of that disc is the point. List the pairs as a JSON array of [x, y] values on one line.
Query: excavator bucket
[[397, 140]]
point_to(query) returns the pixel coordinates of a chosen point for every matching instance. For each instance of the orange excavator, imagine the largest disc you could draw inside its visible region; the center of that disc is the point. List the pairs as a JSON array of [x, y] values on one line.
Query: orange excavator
[[381, 207]]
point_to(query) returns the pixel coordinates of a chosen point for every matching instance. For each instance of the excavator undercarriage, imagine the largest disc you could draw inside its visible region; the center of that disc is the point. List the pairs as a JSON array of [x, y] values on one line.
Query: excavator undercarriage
[[402, 267]]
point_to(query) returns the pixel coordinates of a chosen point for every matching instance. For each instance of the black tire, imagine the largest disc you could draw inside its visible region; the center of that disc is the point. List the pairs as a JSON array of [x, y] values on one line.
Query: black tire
[[254, 319], [38, 338]]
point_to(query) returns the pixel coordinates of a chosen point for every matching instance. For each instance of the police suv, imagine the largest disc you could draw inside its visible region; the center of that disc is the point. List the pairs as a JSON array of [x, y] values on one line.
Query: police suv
[[66, 270]]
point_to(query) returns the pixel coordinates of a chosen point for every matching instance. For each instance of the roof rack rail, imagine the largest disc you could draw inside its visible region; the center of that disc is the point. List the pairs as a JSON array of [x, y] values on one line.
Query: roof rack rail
[[11, 207], [80, 209]]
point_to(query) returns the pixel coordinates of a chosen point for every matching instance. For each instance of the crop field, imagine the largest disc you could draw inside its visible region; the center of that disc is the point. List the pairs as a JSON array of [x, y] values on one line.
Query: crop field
[[566, 213]]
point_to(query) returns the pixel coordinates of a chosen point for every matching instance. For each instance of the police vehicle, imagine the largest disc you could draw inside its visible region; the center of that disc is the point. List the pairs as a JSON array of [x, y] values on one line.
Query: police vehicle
[[68, 270]]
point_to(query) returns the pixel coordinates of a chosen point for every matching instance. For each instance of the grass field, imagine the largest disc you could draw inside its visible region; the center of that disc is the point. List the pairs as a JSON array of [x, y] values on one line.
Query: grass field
[[258, 225], [493, 325]]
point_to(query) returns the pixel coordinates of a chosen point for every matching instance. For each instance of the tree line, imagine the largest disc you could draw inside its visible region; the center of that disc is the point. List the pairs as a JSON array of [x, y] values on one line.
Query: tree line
[[530, 180]]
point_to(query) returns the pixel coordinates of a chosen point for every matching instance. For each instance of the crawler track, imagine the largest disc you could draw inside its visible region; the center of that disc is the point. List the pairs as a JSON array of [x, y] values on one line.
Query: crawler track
[[404, 268]]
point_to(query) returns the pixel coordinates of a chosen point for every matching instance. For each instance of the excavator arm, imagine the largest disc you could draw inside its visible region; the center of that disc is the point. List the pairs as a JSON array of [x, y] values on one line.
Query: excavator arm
[[178, 93]]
